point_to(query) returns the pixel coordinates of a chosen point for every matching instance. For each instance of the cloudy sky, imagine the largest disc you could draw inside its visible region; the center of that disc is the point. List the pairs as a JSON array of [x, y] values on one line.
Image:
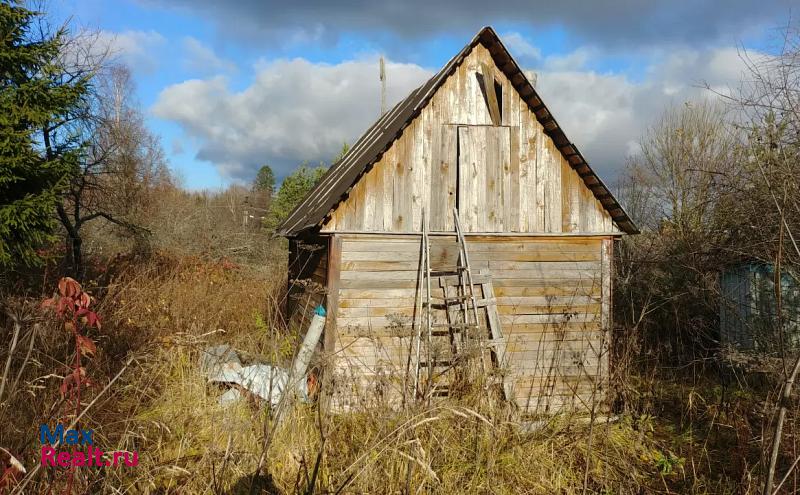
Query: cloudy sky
[[230, 86]]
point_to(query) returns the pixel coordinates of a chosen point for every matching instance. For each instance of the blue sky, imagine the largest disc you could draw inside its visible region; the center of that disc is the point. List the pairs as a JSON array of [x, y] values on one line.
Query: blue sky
[[229, 86]]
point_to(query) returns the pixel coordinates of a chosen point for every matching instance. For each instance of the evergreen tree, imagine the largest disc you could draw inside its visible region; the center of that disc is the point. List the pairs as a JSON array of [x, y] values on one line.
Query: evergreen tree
[[265, 180], [35, 166], [292, 190], [342, 153]]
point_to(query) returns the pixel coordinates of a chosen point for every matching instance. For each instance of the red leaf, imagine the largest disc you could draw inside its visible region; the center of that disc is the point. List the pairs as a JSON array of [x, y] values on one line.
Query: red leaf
[[86, 345], [72, 380], [64, 304], [85, 300], [66, 384], [69, 287]]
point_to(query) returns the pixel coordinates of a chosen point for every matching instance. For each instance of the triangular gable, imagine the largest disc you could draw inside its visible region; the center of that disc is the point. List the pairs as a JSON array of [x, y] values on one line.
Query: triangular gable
[[336, 184]]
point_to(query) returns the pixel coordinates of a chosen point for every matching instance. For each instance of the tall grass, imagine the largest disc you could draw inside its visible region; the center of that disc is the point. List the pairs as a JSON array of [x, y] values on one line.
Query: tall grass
[[160, 312]]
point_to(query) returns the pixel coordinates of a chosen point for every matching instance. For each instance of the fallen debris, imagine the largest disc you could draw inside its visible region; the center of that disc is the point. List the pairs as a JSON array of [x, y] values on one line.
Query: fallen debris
[[222, 364]]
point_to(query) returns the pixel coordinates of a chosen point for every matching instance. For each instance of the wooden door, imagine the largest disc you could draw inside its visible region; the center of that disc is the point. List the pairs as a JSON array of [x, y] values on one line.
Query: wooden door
[[485, 179], [443, 181]]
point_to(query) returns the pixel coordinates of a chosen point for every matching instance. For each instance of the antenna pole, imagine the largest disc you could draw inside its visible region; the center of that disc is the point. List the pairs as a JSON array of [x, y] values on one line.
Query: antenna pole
[[383, 86]]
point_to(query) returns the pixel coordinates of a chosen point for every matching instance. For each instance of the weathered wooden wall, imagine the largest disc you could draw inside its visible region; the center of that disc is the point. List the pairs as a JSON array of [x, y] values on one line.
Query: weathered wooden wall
[[553, 295], [520, 181]]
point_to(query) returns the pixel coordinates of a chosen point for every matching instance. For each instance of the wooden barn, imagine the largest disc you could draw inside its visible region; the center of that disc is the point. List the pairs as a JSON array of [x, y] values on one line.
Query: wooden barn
[[538, 228]]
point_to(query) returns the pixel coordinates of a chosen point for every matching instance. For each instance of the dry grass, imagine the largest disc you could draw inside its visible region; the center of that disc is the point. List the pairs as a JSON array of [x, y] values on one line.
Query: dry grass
[[162, 311]]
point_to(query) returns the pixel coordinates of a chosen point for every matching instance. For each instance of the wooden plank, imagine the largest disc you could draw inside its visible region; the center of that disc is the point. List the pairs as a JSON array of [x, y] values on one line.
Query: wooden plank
[[370, 186], [491, 197], [399, 194], [560, 300], [409, 167], [443, 183], [350, 312], [529, 309], [543, 265], [536, 256], [479, 207], [546, 348], [545, 318], [379, 265], [379, 276], [334, 263], [467, 170], [387, 166], [394, 302], [377, 284], [546, 332], [568, 210], [491, 96], [591, 275], [511, 181], [349, 294], [549, 283], [346, 325]]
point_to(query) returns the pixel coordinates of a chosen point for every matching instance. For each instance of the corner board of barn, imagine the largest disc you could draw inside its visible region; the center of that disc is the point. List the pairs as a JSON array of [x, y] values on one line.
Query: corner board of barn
[[537, 222]]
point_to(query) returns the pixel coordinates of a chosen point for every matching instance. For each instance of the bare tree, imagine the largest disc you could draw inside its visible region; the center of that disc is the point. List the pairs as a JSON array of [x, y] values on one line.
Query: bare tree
[[769, 100], [666, 277], [123, 165]]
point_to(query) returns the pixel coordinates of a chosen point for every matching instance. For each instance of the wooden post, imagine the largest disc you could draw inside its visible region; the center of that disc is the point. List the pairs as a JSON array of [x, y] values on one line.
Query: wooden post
[[334, 272]]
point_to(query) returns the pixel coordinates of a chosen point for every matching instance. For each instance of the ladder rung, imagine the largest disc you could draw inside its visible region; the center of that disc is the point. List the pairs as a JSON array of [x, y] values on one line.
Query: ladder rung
[[441, 391], [439, 364], [446, 273], [455, 281]]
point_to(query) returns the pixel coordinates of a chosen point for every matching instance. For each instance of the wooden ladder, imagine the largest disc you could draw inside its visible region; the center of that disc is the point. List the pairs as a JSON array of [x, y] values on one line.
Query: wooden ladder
[[471, 319]]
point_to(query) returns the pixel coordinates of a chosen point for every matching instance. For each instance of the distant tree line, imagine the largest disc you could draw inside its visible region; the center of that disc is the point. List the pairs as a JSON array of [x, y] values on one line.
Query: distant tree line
[[77, 161]]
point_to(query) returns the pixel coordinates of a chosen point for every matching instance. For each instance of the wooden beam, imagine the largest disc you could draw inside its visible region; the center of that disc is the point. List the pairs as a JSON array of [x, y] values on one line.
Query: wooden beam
[[534, 101], [488, 40], [508, 67], [568, 149], [334, 274], [501, 59], [525, 91], [560, 140], [491, 97]]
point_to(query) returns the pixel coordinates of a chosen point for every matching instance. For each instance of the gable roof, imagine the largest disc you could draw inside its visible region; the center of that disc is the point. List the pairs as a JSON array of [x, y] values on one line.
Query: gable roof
[[335, 185]]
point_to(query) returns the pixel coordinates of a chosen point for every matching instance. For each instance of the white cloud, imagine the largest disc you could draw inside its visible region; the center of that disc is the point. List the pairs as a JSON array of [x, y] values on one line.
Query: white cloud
[[520, 47], [136, 49], [294, 110], [574, 60], [201, 59], [605, 113]]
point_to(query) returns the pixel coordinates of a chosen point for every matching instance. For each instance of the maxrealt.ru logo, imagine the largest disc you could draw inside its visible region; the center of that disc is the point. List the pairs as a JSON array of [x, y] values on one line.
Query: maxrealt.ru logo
[[74, 441]]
